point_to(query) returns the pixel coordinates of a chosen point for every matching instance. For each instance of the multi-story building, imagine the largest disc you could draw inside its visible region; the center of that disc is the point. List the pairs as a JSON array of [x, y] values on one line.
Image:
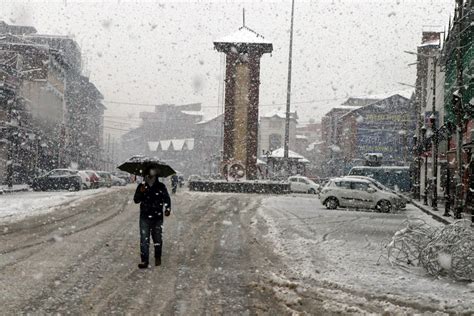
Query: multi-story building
[[208, 142], [330, 151], [428, 89], [61, 114], [272, 131], [167, 133], [457, 59], [306, 134], [384, 127]]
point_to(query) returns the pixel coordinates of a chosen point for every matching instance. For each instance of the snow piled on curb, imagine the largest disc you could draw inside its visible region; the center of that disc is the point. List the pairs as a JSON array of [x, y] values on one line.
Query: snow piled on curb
[[19, 205]]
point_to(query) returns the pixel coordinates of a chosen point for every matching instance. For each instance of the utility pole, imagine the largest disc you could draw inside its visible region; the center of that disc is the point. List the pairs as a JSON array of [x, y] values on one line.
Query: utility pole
[[434, 143], [423, 141], [459, 111], [107, 158], [288, 94], [113, 155], [11, 146]]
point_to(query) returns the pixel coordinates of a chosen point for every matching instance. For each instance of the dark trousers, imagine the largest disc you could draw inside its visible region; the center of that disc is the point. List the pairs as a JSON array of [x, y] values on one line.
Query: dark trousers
[[151, 226]]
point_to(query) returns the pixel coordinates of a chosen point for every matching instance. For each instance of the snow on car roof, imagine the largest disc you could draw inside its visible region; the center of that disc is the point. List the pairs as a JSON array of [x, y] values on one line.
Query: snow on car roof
[[381, 167], [350, 179]]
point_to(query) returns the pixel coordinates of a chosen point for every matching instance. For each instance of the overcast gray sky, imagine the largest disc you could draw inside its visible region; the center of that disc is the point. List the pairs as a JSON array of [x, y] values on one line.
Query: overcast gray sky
[[162, 52]]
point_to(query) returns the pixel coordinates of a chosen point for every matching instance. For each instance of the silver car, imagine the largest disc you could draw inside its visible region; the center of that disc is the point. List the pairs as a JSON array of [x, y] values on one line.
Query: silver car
[[357, 193]]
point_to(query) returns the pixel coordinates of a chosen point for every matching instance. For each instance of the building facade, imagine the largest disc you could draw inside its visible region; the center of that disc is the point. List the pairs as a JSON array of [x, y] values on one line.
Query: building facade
[[167, 133], [384, 127], [51, 120], [272, 131]]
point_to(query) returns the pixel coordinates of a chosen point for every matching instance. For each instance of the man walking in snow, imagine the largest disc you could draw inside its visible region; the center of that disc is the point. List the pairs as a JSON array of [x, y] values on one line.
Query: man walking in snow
[[153, 198]]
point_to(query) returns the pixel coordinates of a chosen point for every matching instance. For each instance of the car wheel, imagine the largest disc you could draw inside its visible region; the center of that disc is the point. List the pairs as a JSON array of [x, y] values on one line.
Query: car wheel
[[332, 203], [77, 187], [312, 191], [384, 206]]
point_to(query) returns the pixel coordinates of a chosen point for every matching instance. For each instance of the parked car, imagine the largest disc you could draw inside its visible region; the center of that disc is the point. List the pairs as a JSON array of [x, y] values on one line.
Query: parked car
[[402, 202], [86, 180], [58, 179], [357, 193], [303, 184], [94, 178], [395, 177], [122, 175], [105, 179], [116, 181], [194, 177]]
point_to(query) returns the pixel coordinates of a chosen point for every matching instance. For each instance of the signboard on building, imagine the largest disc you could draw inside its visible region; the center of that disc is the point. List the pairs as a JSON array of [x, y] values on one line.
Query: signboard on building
[[385, 127]]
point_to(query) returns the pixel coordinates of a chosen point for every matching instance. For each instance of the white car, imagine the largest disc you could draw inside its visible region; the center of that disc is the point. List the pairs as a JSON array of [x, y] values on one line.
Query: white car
[[118, 181], [401, 202], [303, 184], [86, 181], [357, 193]]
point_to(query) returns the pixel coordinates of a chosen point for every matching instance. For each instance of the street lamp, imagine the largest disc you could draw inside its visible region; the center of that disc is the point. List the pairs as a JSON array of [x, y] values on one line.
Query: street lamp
[[448, 194], [434, 137], [423, 138], [416, 174], [434, 151]]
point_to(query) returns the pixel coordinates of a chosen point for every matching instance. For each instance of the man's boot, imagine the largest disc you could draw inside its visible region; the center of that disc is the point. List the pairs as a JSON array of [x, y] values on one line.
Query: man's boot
[[157, 261], [143, 265]]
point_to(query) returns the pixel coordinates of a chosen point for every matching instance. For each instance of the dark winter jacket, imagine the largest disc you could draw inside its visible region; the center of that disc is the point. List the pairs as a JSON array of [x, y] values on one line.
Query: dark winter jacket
[[152, 199]]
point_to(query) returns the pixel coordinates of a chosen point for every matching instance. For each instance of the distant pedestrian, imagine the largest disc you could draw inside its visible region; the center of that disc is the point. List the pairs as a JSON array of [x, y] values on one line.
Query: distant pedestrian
[[154, 199], [174, 183]]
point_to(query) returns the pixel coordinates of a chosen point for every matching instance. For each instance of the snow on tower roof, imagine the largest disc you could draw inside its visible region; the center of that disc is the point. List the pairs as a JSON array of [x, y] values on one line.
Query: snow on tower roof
[[242, 40], [244, 35]]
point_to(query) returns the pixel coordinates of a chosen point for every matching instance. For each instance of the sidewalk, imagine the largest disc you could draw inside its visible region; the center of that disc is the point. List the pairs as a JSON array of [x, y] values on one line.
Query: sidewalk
[[15, 188], [438, 215]]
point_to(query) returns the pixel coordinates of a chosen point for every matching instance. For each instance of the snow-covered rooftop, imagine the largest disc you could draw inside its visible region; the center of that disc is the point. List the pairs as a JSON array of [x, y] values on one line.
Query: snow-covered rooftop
[[314, 144], [278, 153], [244, 35], [197, 113], [430, 43], [346, 107], [280, 114], [204, 121], [407, 93], [172, 144]]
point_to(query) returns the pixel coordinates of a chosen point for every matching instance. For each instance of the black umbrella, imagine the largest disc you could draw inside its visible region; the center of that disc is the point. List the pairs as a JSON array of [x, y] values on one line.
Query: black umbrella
[[137, 165]]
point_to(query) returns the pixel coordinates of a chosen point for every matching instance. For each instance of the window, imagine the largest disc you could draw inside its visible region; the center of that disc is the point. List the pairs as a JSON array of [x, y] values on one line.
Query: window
[[360, 186], [343, 184], [275, 124], [58, 173], [274, 141]]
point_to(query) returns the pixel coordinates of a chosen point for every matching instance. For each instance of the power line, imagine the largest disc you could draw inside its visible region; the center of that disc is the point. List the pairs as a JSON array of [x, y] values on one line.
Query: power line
[[117, 129], [215, 106], [122, 117]]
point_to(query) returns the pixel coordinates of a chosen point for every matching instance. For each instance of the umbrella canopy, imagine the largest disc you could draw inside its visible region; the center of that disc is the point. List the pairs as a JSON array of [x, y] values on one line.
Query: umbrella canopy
[[137, 165]]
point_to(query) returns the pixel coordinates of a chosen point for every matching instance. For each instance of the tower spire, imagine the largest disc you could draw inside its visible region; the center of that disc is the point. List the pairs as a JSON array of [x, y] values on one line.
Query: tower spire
[[243, 17]]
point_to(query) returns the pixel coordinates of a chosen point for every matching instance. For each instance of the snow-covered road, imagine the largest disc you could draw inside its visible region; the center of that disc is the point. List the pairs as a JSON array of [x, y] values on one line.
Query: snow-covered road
[[223, 254], [338, 255]]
